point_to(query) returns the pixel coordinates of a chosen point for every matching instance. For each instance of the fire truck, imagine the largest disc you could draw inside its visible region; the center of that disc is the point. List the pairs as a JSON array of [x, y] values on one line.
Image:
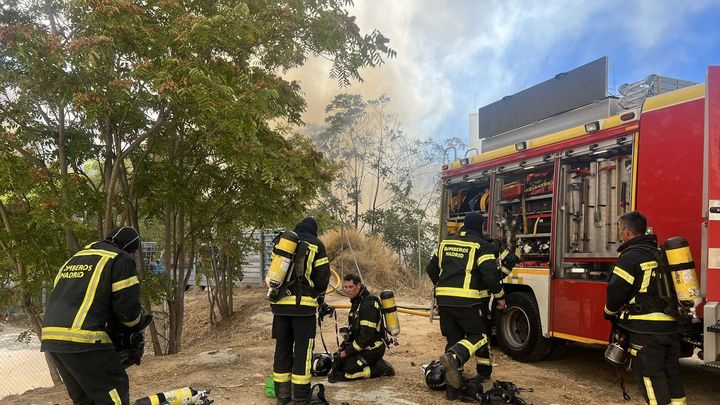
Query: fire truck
[[552, 178]]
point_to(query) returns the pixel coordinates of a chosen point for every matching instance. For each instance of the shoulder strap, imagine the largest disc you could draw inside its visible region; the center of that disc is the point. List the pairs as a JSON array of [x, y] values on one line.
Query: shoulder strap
[[371, 297], [663, 280]]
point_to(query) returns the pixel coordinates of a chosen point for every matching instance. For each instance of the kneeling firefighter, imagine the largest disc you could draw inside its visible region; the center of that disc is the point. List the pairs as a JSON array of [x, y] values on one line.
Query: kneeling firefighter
[[465, 273], [95, 304], [361, 354], [635, 301], [299, 274]]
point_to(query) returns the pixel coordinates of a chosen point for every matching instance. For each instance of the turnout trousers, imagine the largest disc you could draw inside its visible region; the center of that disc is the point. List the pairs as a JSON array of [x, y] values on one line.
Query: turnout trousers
[[294, 340], [94, 377], [361, 365], [656, 367], [466, 334]]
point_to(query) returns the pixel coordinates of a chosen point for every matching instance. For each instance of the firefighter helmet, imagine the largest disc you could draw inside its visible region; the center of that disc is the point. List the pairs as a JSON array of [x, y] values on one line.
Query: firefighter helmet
[[435, 375], [321, 364]]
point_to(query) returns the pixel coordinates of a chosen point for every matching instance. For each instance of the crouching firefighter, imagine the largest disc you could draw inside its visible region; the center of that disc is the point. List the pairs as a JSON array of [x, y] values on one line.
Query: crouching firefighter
[[96, 298], [637, 300], [298, 277], [361, 353], [465, 273]]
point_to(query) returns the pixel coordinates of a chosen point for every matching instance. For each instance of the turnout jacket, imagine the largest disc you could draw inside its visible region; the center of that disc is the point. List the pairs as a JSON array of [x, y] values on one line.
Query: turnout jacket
[[365, 323], [98, 286], [312, 285], [632, 290], [465, 270]]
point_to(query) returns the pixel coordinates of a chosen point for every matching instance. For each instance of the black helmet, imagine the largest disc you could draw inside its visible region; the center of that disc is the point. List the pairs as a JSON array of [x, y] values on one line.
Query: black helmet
[[124, 237], [435, 375], [321, 364]]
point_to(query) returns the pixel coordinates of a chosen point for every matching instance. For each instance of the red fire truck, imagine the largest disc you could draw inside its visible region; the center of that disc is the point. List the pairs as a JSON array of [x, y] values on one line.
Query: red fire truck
[[556, 194]]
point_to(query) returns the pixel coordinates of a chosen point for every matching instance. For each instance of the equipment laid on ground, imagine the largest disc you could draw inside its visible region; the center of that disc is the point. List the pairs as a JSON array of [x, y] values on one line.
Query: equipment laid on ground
[[321, 364], [317, 395], [390, 315], [434, 375], [504, 392], [181, 396], [282, 258]]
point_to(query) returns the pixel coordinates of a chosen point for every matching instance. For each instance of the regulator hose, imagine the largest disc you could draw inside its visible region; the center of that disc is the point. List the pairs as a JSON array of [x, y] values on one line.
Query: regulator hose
[[425, 313], [336, 287]]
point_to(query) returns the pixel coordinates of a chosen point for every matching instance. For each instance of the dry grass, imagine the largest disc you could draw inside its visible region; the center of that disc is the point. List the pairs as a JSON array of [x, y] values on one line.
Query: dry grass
[[379, 266]]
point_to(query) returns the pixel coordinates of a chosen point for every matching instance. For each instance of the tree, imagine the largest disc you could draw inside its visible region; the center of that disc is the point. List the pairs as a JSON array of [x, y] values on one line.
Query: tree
[[152, 91]]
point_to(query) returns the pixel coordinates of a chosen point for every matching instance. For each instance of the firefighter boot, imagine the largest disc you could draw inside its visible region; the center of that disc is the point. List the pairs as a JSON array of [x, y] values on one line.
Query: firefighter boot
[[452, 394], [453, 369], [301, 394], [282, 393], [384, 368]]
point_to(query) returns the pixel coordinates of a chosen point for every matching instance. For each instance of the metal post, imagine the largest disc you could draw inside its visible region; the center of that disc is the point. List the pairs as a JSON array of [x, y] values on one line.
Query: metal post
[[419, 255]]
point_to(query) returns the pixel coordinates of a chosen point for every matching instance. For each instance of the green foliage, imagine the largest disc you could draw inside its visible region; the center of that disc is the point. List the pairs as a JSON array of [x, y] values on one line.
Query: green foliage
[[160, 112], [404, 227], [25, 336]]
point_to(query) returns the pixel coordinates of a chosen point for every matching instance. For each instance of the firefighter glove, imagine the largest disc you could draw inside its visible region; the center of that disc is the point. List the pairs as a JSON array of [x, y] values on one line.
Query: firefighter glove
[[325, 310]]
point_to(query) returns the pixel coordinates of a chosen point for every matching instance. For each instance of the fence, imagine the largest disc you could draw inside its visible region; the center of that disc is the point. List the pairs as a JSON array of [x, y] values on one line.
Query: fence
[[22, 365]]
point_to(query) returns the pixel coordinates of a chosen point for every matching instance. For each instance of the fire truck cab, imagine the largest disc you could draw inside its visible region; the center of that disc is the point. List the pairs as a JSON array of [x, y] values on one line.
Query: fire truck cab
[[553, 189]]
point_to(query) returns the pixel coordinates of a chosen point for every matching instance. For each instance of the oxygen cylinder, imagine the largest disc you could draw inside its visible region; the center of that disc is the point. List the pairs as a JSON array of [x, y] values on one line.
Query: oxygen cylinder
[[281, 258], [392, 323], [682, 270], [181, 396]]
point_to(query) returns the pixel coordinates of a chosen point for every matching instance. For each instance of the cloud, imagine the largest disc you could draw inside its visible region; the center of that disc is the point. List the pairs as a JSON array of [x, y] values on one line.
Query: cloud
[[456, 56]]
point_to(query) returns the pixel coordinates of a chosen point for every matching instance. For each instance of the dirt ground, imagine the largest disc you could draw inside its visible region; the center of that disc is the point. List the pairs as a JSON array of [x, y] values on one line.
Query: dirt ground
[[581, 377]]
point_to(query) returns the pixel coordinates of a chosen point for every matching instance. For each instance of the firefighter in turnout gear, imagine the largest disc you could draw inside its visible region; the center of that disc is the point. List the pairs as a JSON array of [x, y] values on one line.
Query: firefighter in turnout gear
[[465, 274], [294, 317], [96, 290], [634, 302], [360, 355]]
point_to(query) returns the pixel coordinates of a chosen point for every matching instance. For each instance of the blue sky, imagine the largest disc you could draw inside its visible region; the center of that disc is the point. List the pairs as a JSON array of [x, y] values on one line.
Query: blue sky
[[456, 56]]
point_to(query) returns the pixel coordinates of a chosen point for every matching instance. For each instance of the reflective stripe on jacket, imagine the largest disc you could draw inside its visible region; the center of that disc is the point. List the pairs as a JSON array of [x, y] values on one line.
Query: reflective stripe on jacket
[[632, 290], [465, 270], [96, 287], [365, 323]]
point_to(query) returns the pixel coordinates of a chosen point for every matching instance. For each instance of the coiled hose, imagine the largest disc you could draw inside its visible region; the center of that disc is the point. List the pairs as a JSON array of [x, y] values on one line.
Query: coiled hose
[[406, 310]]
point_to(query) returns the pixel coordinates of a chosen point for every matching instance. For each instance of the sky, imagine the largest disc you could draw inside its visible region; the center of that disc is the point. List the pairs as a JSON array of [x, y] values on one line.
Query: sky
[[454, 56]]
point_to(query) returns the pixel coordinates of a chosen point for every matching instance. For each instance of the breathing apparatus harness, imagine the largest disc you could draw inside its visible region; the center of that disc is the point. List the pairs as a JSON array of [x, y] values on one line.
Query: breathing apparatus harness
[[288, 276], [666, 301]]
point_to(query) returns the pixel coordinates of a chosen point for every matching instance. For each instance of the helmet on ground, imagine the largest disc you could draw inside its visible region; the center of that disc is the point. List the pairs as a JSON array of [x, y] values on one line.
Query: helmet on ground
[[435, 375], [321, 364]]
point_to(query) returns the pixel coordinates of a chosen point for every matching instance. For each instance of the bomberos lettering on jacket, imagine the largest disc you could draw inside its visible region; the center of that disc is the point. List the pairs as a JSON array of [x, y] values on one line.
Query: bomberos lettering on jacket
[[455, 251]]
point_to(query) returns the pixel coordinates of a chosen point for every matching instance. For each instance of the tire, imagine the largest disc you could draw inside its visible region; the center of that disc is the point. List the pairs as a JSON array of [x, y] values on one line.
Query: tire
[[519, 331], [558, 351]]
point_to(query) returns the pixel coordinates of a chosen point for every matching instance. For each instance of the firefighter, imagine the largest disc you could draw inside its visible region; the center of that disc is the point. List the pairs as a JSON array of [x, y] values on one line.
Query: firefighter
[[95, 290], [294, 325], [634, 302], [361, 353], [465, 273]]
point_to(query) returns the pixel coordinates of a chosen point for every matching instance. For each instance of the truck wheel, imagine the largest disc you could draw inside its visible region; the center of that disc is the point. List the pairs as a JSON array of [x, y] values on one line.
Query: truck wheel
[[519, 330]]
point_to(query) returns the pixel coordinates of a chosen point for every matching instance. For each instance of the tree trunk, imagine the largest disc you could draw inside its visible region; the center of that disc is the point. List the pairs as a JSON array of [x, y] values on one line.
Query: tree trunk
[[178, 304]]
